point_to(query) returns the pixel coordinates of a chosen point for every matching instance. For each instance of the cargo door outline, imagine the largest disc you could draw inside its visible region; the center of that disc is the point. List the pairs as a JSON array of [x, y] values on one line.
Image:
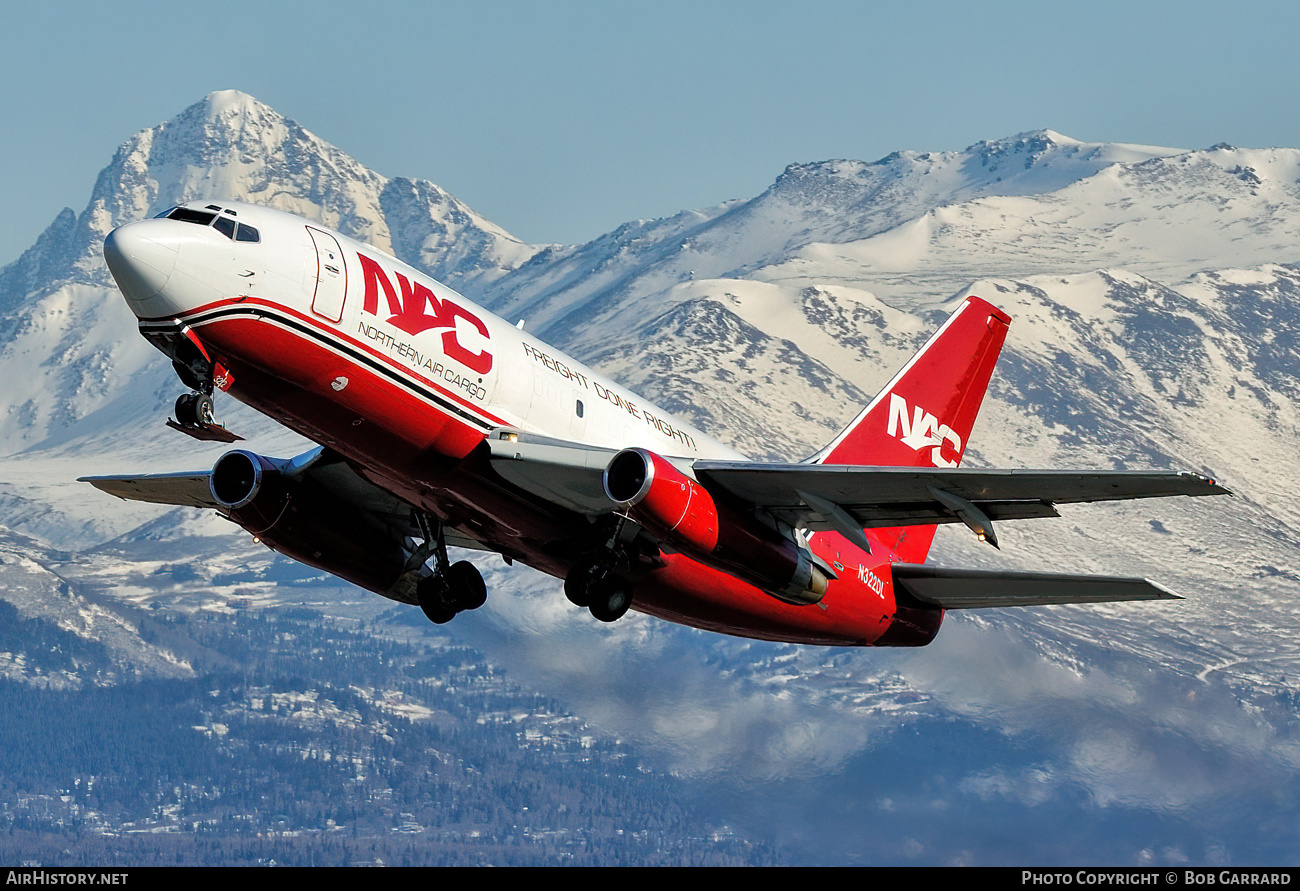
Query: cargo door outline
[[331, 277]]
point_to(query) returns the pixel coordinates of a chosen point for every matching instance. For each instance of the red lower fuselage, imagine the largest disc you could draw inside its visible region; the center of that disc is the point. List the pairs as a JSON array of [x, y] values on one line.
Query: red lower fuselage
[[422, 441]]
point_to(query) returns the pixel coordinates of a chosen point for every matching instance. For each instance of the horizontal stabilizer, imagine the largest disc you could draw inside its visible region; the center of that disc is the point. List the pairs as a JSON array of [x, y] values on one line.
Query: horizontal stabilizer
[[935, 587]]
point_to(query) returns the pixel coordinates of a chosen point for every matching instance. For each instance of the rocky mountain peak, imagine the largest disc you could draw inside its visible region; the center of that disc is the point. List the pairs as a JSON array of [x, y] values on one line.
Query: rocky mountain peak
[[231, 146]]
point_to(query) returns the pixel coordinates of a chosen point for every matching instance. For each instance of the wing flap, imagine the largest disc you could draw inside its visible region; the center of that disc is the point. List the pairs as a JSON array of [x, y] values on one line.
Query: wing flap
[[911, 513], [938, 588]]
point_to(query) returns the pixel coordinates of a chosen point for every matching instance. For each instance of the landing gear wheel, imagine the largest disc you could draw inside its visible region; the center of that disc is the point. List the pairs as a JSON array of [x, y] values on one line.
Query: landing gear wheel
[[203, 411], [194, 410], [612, 600], [185, 410], [580, 581], [432, 593], [459, 587], [466, 585]]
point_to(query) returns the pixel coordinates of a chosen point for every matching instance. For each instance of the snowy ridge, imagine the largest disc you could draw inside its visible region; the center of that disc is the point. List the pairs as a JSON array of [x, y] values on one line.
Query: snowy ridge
[[825, 203]]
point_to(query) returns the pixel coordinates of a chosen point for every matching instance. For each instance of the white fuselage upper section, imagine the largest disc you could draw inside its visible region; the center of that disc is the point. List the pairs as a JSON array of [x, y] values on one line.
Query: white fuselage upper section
[[496, 373]]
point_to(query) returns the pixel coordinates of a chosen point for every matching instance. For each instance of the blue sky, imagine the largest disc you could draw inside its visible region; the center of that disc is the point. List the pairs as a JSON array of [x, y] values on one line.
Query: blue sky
[[561, 120]]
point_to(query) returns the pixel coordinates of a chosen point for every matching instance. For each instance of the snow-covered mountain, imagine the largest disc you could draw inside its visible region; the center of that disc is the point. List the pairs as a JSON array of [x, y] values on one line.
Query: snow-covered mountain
[[1155, 296], [77, 377]]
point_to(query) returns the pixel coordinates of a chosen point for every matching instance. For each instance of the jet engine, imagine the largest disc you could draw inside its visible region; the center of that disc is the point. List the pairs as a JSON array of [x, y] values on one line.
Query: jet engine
[[305, 521], [682, 514]]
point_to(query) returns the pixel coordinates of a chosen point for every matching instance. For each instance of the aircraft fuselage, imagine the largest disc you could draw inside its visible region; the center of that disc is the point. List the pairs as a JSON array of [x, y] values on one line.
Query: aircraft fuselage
[[406, 379]]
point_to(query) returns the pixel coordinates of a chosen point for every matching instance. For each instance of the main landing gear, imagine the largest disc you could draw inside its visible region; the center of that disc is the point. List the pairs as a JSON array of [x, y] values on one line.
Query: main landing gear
[[452, 588], [593, 584]]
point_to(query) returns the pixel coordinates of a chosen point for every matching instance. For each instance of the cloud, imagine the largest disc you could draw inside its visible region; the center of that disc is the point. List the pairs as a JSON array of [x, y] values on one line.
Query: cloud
[[1129, 731], [674, 692], [975, 749]]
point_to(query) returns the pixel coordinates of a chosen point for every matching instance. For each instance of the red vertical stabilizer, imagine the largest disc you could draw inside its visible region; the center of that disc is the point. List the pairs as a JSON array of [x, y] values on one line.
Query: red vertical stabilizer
[[924, 415]]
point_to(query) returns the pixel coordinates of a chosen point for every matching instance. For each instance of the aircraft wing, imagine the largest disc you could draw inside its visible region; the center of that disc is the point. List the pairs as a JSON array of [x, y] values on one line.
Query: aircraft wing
[[906, 496], [320, 467], [935, 587], [184, 489], [843, 498], [565, 473]]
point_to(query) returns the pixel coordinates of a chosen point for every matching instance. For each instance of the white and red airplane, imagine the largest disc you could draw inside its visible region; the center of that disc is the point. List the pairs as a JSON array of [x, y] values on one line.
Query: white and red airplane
[[440, 424]]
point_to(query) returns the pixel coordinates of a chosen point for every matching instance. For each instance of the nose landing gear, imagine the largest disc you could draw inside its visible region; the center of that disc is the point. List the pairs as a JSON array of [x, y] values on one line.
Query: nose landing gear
[[194, 411], [194, 418]]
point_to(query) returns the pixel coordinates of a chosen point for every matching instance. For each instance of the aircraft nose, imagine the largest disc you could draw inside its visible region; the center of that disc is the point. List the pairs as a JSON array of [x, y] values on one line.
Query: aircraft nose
[[141, 259]]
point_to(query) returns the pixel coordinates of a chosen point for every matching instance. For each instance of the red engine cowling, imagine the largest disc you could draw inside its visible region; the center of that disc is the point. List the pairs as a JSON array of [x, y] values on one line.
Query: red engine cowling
[[305, 522], [682, 513]]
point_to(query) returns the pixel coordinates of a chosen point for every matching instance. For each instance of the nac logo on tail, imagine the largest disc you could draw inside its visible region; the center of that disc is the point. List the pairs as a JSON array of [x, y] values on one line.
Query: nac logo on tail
[[920, 430]]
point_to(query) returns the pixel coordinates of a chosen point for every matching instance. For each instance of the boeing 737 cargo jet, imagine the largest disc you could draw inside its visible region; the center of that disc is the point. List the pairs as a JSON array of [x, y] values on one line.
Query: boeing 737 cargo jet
[[439, 424]]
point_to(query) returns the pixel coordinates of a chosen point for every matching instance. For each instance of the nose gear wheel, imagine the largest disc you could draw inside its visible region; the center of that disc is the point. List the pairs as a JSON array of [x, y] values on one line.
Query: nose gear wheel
[[194, 410]]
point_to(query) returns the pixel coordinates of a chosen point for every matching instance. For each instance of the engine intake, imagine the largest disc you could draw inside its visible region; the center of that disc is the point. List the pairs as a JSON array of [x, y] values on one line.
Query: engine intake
[[236, 478], [307, 522]]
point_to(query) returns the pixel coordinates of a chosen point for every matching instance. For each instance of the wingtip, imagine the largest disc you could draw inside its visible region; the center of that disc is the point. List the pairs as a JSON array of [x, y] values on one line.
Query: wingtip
[[1213, 486], [1165, 593]]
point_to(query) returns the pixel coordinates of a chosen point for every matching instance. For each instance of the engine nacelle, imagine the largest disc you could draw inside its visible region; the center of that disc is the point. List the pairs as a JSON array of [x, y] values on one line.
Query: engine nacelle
[[237, 481], [682, 513], [306, 522]]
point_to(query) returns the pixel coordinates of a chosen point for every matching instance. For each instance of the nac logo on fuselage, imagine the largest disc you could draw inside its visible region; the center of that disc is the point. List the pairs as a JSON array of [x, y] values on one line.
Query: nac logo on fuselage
[[922, 430], [416, 309]]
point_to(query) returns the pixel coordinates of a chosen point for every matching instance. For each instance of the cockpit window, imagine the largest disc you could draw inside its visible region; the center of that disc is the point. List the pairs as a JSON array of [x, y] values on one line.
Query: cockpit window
[[223, 224], [185, 215]]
